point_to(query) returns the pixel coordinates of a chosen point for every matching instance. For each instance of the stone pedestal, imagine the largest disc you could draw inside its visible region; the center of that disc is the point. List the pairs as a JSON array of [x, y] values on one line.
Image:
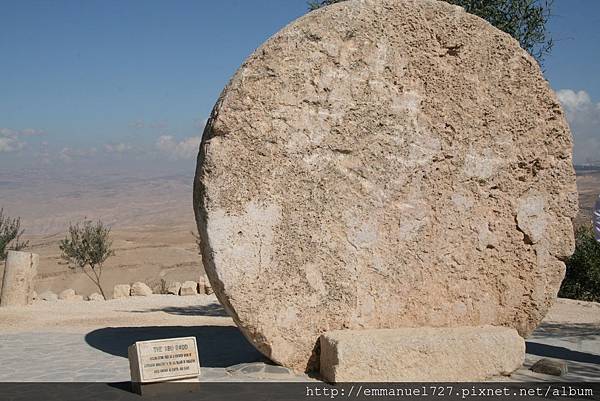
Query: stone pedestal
[[19, 273], [422, 354]]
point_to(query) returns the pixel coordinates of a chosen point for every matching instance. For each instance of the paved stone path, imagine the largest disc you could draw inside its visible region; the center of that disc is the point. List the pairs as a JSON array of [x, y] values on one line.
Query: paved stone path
[[78, 353], [66, 357], [576, 343]]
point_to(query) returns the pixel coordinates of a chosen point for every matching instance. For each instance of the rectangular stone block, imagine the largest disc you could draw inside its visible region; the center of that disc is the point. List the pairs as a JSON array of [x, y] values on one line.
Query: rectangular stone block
[[420, 354], [18, 280], [166, 360]]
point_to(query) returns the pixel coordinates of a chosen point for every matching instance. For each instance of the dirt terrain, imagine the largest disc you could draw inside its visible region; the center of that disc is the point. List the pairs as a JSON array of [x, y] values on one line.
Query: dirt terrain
[[151, 218], [588, 186], [149, 254]]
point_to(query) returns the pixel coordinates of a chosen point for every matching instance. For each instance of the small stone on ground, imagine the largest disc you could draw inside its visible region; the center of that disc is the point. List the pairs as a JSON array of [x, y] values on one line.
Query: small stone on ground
[[550, 367]]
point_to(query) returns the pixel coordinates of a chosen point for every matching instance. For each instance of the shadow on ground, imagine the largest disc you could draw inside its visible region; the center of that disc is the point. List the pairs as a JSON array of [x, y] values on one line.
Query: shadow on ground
[[568, 337], [552, 351], [576, 331], [566, 342], [213, 309], [219, 346]]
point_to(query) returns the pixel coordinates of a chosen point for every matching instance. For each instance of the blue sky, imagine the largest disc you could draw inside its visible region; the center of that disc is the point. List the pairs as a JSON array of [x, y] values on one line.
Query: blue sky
[[134, 80]]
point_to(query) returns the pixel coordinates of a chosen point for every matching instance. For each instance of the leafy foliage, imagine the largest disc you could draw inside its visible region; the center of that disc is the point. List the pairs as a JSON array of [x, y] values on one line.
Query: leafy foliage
[[313, 5], [582, 280], [524, 20], [10, 235], [88, 246]]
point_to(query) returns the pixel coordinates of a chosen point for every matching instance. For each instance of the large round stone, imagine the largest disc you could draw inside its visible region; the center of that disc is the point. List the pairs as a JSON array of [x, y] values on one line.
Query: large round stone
[[381, 164]]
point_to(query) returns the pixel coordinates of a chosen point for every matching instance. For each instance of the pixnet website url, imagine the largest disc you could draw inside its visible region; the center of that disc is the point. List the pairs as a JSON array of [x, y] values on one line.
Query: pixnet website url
[[462, 392]]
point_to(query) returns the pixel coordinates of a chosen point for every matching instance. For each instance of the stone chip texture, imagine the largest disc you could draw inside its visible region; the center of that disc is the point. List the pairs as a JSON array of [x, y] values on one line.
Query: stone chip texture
[[189, 288], [48, 296], [95, 297], [550, 367], [67, 294], [382, 164], [121, 291], [423, 354], [139, 289], [173, 288]]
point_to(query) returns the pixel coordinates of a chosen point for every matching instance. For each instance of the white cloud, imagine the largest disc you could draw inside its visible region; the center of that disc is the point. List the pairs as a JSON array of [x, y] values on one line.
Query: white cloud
[[31, 132], [583, 116], [9, 144], [10, 140], [572, 101], [117, 147], [7, 132], [68, 154], [185, 149], [141, 124]]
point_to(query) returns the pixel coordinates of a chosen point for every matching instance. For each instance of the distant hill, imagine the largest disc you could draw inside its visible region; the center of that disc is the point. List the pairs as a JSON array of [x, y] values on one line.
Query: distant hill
[[48, 201], [586, 168]]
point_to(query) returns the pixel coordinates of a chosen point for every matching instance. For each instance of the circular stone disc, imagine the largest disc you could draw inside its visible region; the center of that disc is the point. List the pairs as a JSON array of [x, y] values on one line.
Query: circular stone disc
[[379, 164]]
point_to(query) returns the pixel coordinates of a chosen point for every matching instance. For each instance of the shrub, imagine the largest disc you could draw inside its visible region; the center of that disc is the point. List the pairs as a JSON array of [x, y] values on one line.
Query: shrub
[[10, 235], [158, 286], [87, 246], [582, 280]]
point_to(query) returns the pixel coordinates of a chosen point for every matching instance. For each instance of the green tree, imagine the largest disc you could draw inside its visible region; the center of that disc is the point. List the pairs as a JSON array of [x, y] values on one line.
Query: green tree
[[313, 5], [524, 20], [10, 235], [582, 280], [87, 246]]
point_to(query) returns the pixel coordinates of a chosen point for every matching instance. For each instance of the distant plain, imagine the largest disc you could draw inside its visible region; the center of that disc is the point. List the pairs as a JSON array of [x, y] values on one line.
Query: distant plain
[[151, 218]]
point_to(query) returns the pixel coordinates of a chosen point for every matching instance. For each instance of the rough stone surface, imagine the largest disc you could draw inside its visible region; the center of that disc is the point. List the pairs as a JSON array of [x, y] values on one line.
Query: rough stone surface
[[421, 354], [20, 270], [201, 285], [381, 164], [48, 296], [173, 288], [69, 293], [95, 297], [189, 288], [139, 289], [208, 289], [550, 367], [204, 286], [121, 291]]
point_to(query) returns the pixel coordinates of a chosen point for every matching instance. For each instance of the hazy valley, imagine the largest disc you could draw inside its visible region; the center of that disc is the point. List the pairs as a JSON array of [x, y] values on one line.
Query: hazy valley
[[151, 217]]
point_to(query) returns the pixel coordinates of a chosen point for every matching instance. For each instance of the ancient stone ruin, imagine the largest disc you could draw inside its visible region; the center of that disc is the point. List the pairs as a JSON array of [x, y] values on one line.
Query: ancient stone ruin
[[384, 164], [19, 274]]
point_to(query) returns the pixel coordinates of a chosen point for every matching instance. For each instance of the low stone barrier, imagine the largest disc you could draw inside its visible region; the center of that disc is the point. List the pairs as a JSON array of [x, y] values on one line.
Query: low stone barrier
[[422, 354], [19, 273]]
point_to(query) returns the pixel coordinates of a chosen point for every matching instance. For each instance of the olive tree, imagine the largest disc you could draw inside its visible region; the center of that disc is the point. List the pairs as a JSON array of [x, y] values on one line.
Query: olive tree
[[10, 235], [582, 280], [524, 20], [87, 246]]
